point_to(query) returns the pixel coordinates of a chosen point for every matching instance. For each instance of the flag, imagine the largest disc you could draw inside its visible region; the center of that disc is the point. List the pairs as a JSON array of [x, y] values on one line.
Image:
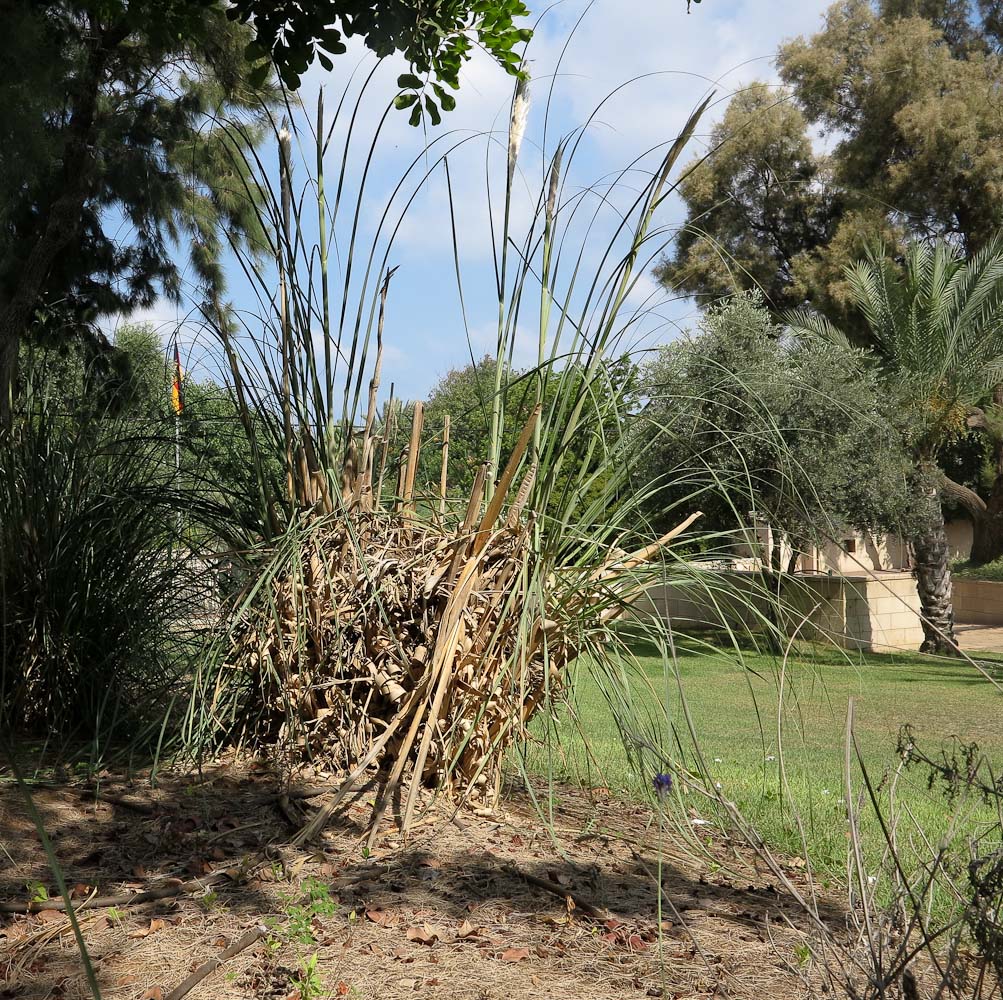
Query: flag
[[177, 389]]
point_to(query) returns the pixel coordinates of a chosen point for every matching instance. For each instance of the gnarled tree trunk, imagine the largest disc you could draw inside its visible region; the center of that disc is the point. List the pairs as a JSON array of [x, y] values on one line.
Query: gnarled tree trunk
[[986, 515], [933, 580]]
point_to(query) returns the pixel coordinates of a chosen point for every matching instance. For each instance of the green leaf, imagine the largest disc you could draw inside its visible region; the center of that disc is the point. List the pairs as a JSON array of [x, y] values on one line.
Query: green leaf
[[402, 101], [415, 118], [259, 75], [433, 110], [408, 81], [289, 76]]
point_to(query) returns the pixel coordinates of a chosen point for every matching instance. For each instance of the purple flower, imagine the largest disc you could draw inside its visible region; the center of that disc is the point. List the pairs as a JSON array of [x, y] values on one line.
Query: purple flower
[[662, 783]]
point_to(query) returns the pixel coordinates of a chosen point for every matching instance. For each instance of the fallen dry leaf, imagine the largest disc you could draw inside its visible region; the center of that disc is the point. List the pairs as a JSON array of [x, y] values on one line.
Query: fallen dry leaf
[[380, 917], [155, 925], [153, 993], [50, 916], [343, 989], [514, 954], [423, 934], [467, 929]]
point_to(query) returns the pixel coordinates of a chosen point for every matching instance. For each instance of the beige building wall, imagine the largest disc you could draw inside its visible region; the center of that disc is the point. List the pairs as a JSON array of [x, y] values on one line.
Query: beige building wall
[[978, 602], [959, 538], [874, 614], [854, 552]]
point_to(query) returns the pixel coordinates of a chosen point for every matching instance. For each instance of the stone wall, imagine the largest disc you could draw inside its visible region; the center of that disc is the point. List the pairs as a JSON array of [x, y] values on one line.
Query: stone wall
[[978, 602]]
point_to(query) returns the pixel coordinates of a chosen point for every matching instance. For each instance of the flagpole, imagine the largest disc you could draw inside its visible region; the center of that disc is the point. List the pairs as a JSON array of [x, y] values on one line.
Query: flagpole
[[177, 404], [177, 457]]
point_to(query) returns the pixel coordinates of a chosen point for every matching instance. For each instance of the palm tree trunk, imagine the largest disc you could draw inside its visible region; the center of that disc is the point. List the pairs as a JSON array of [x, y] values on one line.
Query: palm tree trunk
[[933, 580]]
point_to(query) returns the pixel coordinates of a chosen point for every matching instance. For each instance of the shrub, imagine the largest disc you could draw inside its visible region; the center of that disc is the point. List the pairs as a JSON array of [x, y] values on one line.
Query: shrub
[[90, 598]]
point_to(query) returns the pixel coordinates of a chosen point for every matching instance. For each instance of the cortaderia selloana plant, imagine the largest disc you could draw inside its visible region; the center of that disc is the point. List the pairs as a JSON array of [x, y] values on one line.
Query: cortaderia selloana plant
[[390, 622]]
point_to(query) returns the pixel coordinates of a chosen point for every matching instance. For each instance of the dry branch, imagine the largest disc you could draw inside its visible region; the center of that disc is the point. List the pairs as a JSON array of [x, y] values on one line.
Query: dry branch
[[123, 899], [207, 968], [559, 890]]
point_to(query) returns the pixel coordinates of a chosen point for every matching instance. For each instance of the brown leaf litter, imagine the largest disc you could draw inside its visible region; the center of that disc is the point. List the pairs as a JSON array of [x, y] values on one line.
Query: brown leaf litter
[[475, 908]]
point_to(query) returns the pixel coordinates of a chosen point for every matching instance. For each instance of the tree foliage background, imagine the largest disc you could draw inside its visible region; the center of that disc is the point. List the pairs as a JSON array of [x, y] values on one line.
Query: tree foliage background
[[797, 427], [906, 95]]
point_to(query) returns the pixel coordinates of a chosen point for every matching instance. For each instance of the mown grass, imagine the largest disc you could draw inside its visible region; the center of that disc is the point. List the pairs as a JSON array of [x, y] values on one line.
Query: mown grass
[[733, 700]]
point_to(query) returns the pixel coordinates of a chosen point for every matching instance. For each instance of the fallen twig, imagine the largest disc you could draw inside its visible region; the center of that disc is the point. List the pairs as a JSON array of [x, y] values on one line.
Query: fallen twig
[[136, 805], [559, 890], [206, 968], [310, 793], [124, 899]]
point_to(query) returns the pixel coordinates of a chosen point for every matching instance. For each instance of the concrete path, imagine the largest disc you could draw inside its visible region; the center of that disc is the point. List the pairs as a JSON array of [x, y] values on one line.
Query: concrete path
[[981, 638]]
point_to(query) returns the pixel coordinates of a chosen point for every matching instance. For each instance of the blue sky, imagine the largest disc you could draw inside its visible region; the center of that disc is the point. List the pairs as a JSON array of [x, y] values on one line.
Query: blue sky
[[673, 59]]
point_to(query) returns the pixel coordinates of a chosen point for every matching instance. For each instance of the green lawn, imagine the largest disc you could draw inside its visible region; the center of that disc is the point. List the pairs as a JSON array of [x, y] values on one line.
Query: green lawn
[[733, 701]]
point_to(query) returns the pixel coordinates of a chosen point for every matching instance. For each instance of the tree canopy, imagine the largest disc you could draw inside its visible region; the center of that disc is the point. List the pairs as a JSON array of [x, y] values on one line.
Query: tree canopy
[[436, 39], [465, 394], [908, 94], [120, 168], [794, 429]]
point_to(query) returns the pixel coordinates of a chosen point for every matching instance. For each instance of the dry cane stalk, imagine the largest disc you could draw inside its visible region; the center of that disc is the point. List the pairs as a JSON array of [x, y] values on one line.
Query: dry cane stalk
[[445, 466]]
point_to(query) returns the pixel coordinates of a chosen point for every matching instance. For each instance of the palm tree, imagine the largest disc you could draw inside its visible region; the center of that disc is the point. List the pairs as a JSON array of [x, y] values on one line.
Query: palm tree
[[936, 327]]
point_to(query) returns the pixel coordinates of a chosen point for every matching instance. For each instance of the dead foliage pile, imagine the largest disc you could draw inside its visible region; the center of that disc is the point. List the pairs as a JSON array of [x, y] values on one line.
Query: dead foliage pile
[[402, 637]]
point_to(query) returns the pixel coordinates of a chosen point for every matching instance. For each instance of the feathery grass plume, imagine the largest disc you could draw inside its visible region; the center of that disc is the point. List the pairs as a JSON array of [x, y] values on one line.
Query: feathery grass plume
[[518, 118], [517, 122]]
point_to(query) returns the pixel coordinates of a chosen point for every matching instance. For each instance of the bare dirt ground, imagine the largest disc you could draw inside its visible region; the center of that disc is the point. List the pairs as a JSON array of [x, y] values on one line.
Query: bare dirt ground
[[451, 912]]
